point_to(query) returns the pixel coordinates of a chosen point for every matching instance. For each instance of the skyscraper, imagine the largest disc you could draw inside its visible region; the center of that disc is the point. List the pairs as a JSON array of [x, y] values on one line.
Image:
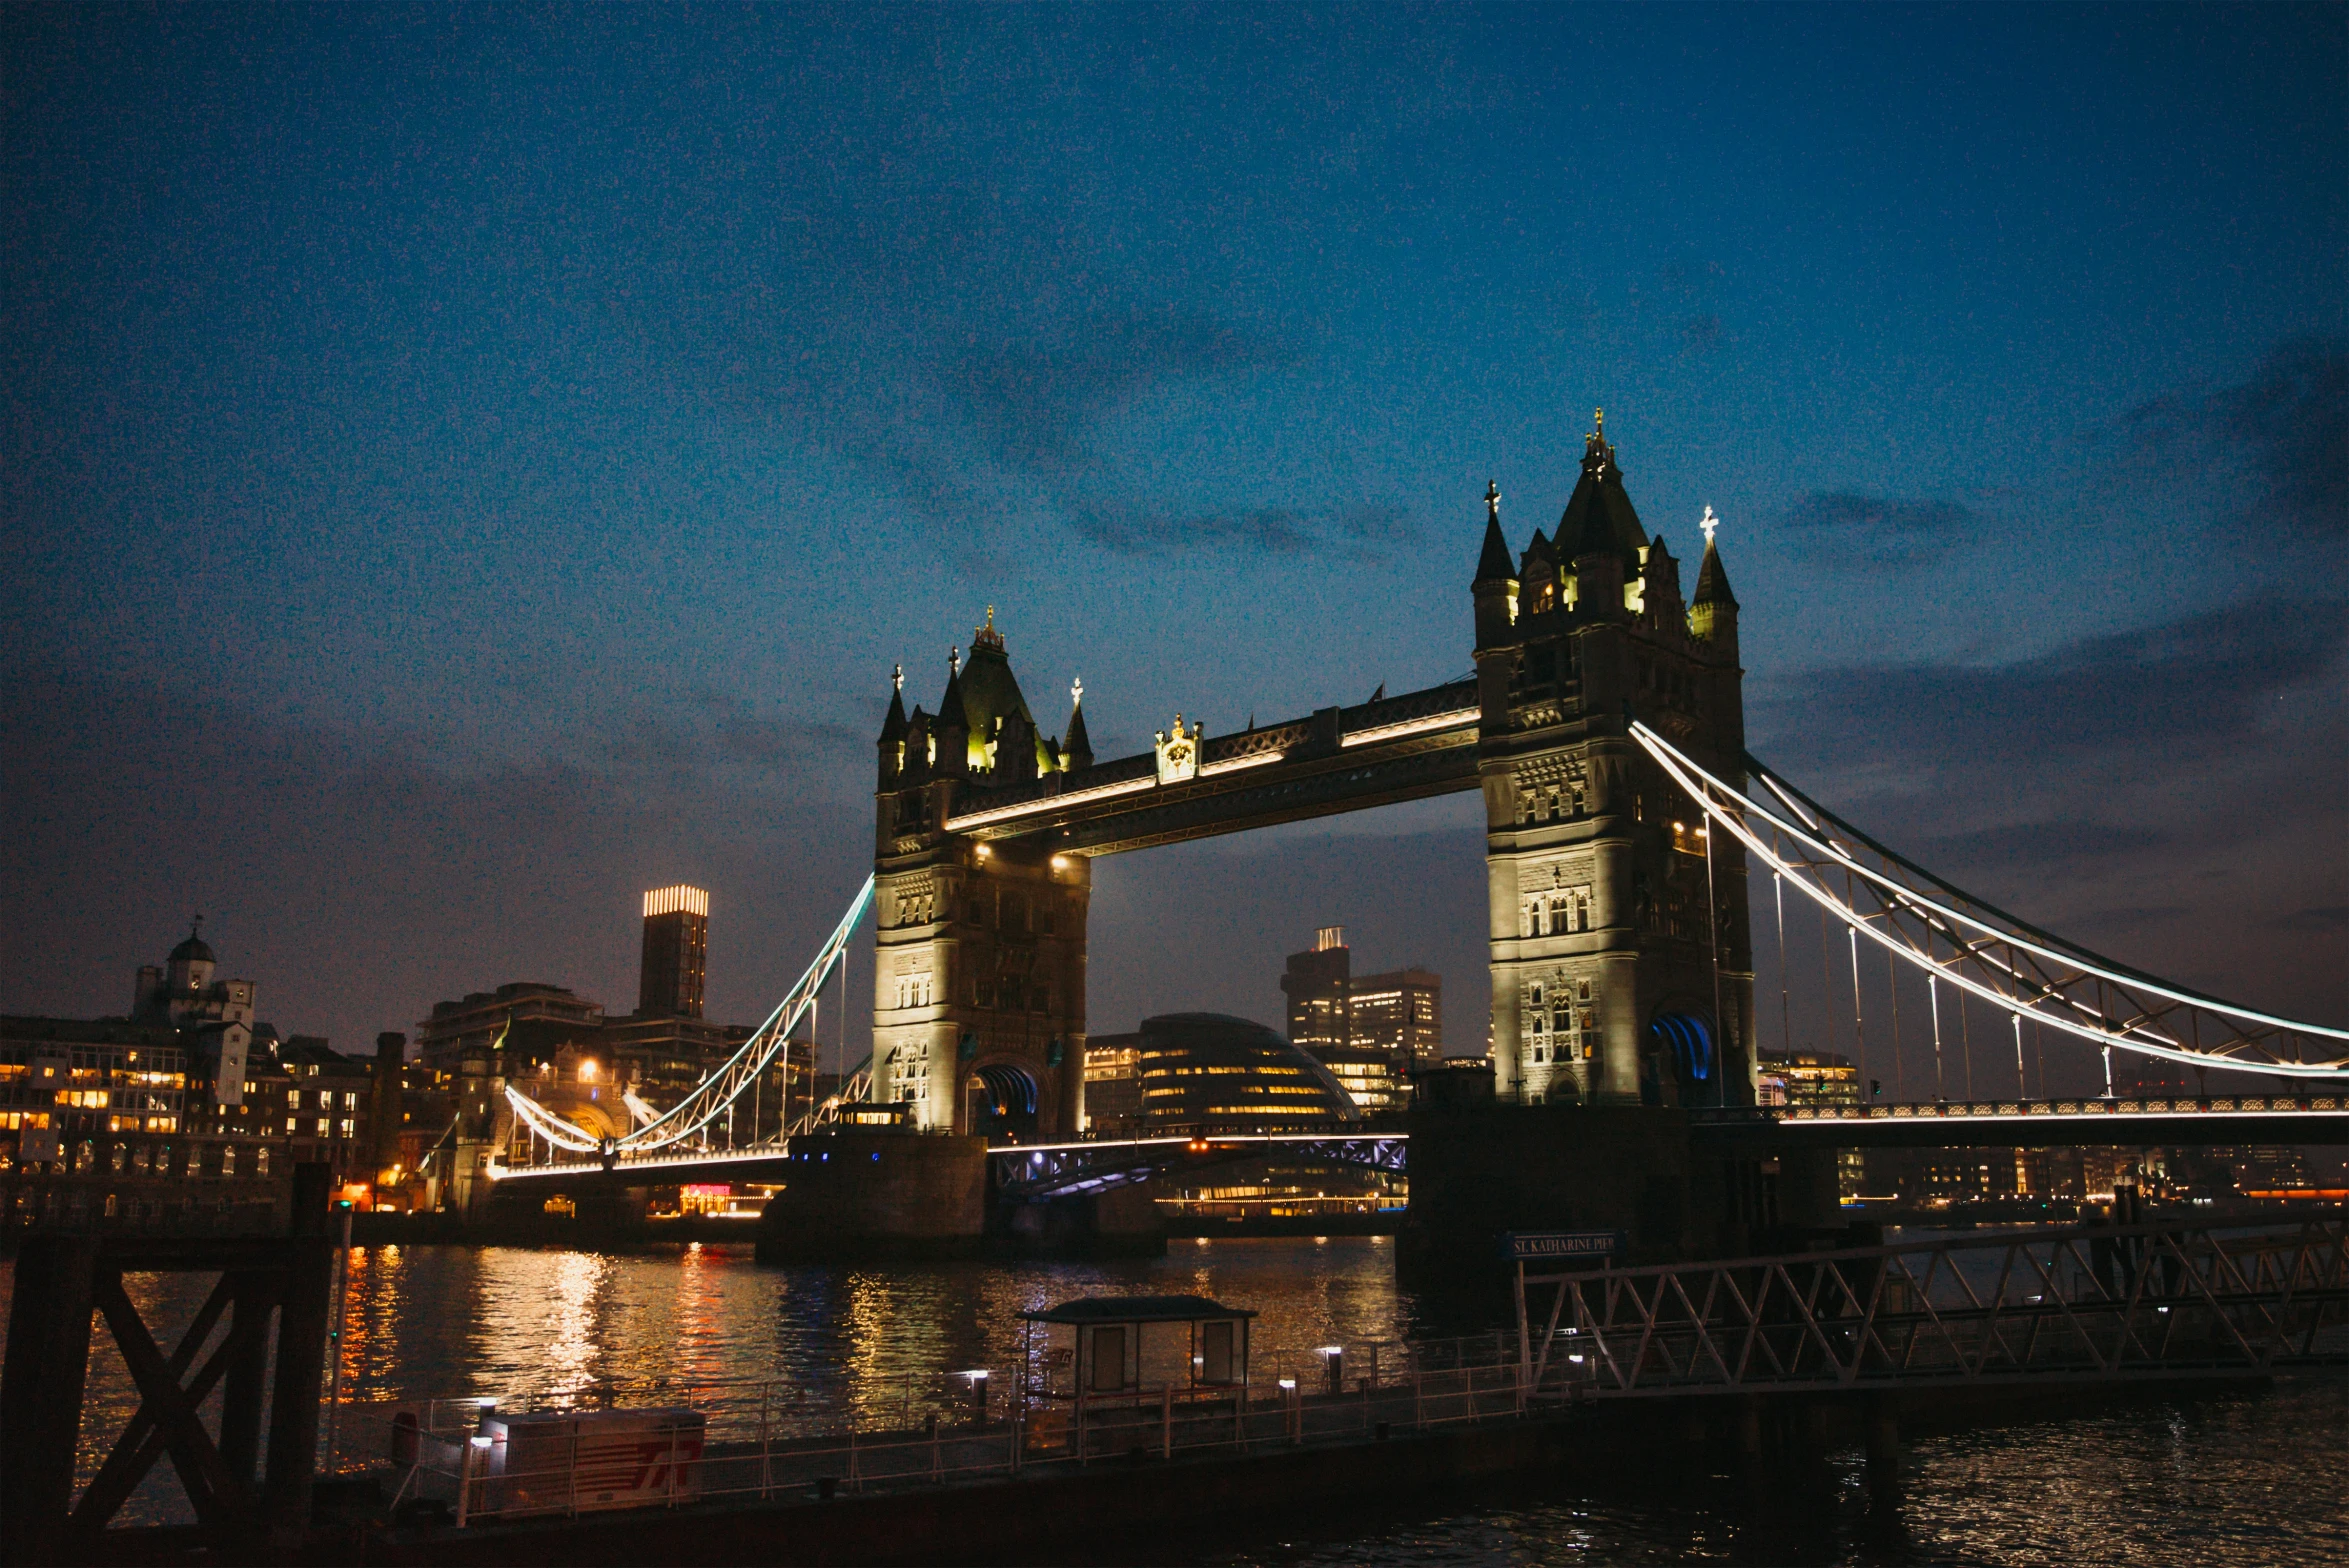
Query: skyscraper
[[1317, 985], [676, 951]]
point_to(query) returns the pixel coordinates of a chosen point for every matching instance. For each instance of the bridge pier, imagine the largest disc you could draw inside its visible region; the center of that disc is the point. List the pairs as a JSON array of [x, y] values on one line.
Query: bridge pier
[[895, 1194], [1480, 1170]]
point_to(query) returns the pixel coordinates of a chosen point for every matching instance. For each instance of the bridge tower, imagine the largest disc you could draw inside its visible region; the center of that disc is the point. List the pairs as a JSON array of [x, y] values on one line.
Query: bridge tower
[[979, 987], [1622, 968]]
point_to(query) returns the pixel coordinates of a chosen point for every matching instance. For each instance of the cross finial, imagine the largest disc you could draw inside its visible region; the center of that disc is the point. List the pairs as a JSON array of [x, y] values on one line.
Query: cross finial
[[954, 660], [1708, 524], [1492, 499], [1076, 692], [897, 677], [196, 926]]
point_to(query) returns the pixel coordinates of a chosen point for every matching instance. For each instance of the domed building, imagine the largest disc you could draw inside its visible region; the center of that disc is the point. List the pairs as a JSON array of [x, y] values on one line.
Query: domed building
[[1208, 1072]]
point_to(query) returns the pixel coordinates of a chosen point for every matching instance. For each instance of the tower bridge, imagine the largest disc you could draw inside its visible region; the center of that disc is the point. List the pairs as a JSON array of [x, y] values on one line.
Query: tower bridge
[[1604, 729]]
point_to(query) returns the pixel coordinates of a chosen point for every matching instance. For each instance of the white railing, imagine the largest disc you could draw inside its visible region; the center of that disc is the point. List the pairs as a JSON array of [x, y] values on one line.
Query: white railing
[[745, 1439]]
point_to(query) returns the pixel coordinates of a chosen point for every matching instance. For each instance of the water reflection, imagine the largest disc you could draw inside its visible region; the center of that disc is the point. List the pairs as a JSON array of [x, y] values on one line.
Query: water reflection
[[519, 1324], [2228, 1482], [2225, 1482]]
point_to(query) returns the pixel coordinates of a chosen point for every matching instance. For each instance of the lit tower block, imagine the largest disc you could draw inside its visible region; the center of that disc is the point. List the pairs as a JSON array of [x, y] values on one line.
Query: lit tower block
[[979, 973], [1603, 884], [676, 952]]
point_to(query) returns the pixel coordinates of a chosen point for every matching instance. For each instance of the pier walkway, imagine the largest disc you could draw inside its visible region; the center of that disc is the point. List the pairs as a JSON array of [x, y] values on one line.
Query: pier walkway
[[2013, 1311]]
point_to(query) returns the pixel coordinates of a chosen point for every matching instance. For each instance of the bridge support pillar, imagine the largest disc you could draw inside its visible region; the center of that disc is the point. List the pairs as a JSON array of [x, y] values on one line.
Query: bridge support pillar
[[850, 1195]]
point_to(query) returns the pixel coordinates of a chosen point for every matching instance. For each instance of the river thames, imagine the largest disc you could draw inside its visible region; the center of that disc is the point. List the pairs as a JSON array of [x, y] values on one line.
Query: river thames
[[2239, 1479]]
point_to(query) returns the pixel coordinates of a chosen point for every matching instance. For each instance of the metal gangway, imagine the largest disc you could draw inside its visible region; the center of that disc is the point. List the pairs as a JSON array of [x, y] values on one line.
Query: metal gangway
[[2156, 1301]]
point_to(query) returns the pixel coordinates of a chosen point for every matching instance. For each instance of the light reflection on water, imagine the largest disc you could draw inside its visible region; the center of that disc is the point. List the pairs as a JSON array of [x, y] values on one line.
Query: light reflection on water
[[517, 1324], [2234, 1481], [2228, 1482]]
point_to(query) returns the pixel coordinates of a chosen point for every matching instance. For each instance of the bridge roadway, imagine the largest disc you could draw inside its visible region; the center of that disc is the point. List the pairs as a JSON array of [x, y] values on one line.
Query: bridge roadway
[[1095, 1165]]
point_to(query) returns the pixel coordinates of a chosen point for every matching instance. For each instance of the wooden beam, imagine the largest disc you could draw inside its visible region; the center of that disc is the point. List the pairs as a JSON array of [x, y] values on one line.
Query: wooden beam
[[41, 1389]]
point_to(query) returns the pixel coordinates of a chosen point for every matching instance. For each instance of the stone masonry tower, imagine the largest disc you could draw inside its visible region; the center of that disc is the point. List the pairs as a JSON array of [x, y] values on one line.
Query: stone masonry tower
[[1622, 968], [979, 987]]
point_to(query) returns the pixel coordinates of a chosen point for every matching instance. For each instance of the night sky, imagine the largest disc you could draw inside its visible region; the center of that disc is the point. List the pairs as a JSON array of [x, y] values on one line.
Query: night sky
[[465, 467]]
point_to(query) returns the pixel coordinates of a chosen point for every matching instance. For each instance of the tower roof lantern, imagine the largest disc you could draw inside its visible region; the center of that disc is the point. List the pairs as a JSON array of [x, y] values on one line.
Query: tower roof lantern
[[1599, 516], [988, 696]]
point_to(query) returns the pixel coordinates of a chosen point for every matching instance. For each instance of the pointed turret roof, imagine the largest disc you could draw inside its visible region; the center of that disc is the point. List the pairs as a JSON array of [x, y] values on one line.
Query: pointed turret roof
[[951, 713], [1599, 516], [893, 727], [1713, 579], [1493, 564], [1079, 743]]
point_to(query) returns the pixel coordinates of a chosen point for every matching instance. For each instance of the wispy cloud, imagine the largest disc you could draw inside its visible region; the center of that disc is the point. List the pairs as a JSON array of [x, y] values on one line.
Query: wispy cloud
[[2271, 449], [2197, 685], [1366, 530], [1037, 399], [1877, 533]]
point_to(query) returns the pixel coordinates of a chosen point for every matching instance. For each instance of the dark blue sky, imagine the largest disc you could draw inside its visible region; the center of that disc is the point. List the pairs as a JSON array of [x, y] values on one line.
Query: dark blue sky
[[465, 466]]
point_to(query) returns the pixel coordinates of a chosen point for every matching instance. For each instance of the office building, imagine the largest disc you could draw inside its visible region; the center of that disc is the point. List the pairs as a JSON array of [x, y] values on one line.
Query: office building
[[1113, 1084], [1400, 1013], [1317, 984], [676, 953]]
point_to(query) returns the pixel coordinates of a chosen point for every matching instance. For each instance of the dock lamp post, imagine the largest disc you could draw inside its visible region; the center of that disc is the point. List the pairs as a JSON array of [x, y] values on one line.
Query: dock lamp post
[[977, 1379], [1333, 1367]]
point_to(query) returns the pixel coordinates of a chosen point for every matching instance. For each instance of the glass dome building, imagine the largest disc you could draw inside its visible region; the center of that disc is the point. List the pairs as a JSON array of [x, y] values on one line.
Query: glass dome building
[[1205, 1072]]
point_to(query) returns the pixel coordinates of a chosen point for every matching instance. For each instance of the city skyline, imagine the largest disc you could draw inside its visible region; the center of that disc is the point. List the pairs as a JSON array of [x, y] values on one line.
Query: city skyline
[[416, 550]]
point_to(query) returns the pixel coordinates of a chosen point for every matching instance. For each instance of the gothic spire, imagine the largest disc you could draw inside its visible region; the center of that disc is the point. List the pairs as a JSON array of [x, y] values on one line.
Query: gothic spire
[[1713, 579], [893, 727], [1494, 565], [1077, 751]]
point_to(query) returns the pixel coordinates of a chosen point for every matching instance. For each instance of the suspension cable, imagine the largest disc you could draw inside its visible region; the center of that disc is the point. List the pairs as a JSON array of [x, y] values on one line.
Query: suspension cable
[[1785, 1018], [1859, 1033], [715, 1095], [1999, 951], [1933, 1000], [1966, 1044]]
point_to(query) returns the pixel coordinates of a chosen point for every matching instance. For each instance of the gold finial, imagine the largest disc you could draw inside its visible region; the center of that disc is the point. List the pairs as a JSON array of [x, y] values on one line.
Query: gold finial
[[1492, 498], [954, 661], [897, 677], [1076, 692], [990, 617], [1598, 421]]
